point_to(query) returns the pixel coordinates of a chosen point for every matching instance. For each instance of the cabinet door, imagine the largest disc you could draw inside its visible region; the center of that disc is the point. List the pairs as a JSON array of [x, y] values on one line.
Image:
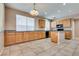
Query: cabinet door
[[41, 23], [65, 22], [36, 35], [39, 33], [68, 35], [54, 37], [19, 37], [42, 35], [31, 36], [26, 36], [9, 38]]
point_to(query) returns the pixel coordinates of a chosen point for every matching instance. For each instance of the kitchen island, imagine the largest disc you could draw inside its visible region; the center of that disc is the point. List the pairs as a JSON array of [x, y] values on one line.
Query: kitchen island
[[55, 35]]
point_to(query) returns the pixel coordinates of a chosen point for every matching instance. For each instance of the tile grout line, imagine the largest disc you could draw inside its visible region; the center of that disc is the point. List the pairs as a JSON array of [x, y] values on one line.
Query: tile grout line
[[59, 49], [74, 51]]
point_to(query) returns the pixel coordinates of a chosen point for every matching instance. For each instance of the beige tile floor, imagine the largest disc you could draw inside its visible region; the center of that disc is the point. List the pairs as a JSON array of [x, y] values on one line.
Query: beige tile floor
[[42, 47]]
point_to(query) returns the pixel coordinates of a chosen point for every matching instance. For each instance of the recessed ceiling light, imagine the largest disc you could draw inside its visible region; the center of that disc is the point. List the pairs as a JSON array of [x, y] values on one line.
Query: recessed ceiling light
[[64, 4], [53, 17]]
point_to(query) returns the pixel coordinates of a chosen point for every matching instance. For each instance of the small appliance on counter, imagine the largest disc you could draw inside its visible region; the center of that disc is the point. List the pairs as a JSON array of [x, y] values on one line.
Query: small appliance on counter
[[59, 27]]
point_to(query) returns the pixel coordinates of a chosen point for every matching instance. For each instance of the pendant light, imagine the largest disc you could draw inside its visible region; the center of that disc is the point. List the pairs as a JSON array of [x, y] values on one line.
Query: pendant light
[[34, 12]]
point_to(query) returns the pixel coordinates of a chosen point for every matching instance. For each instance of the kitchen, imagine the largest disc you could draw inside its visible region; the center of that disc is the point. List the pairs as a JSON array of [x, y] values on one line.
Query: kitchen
[[43, 27], [39, 35]]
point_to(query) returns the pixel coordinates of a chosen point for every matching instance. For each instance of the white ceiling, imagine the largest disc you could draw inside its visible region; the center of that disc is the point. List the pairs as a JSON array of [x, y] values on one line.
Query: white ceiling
[[48, 10]]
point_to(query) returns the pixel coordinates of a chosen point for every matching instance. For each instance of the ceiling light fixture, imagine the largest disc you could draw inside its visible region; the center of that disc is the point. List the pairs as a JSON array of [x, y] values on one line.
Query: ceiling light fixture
[[53, 17], [64, 4], [34, 12]]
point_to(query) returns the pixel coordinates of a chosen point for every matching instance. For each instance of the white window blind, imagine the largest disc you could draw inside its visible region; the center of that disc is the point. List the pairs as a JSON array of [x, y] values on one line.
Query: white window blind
[[24, 23]]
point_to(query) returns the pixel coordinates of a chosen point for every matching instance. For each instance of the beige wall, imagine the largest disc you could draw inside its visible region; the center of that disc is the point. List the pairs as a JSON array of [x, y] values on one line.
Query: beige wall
[[10, 18], [1, 26]]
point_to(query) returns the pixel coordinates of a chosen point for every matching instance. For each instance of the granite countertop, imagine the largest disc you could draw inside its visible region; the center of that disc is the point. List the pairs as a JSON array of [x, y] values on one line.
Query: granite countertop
[[33, 31], [58, 31], [24, 31]]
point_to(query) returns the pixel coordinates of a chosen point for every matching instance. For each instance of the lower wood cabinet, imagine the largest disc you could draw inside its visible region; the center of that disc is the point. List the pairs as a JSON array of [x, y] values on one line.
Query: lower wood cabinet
[[68, 35], [36, 35], [31, 35], [42, 35], [26, 36], [54, 36], [39, 35], [18, 37], [10, 38]]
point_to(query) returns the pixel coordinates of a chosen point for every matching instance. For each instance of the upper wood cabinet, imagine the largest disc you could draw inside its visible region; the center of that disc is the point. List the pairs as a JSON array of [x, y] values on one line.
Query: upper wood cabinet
[[53, 24], [41, 23], [65, 22]]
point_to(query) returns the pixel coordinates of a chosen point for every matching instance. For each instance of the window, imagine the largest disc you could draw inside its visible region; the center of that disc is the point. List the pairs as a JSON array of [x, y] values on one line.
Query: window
[[24, 23]]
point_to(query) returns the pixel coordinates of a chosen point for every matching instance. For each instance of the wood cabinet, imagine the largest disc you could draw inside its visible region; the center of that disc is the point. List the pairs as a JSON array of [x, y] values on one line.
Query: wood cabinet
[[10, 38], [54, 36], [65, 22], [42, 34], [31, 36], [68, 35], [26, 36], [39, 35], [18, 37], [41, 23], [36, 35]]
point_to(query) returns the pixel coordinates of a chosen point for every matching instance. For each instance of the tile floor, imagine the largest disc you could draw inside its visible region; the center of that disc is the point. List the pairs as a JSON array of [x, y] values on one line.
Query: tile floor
[[43, 47]]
